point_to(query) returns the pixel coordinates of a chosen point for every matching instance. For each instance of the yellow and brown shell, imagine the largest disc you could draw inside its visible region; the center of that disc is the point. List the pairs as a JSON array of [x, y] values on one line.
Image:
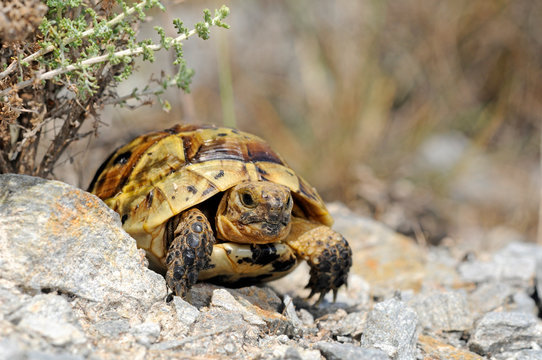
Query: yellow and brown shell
[[158, 175]]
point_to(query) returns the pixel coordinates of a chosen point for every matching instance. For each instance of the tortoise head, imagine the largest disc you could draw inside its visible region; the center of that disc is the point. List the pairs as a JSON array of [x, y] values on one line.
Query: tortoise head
[[255, 212]]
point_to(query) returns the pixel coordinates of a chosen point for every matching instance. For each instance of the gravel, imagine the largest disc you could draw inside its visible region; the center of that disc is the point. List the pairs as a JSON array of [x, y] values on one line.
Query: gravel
[[73, 285]]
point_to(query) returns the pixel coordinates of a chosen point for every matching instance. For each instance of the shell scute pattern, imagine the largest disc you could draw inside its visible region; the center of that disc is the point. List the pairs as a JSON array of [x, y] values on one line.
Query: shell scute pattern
[[160, 183], [212, 160]]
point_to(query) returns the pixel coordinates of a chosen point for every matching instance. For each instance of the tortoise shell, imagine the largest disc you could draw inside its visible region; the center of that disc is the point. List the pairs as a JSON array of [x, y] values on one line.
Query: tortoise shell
[[158, 175]]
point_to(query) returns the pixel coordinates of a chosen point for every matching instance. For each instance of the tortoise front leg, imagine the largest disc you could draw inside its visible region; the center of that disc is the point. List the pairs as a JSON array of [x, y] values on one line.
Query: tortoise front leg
[[327, 253], [189, 251]]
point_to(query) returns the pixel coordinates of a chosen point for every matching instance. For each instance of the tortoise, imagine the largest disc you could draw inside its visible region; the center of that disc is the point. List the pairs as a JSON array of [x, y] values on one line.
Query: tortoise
[[219, 205]]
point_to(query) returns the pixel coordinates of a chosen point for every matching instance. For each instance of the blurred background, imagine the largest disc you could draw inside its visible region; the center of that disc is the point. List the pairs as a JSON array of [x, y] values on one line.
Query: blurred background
[[425, 115]]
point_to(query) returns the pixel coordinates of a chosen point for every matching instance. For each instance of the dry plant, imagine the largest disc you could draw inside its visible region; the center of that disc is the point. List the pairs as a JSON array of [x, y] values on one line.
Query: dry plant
[[60, 62]]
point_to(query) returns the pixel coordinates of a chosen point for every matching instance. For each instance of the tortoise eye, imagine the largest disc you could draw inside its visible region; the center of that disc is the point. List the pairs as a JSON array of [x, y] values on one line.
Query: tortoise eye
[[248, 200], [289, 202]]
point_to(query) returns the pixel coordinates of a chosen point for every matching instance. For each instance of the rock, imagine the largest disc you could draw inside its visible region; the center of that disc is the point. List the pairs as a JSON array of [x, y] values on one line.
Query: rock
[[56, 237], [287, 352], [524, 303], [112, 328], [306, 317], [223, 299], [515, 264], [49, 316], [477, 271], [289, 311], [352, 324], [146, 333], [336, 351], [391, 327], [443, 311], [527, 355], [436, 349], [331, 321], [12, 350], [171, 320], [504, 332], [222, 332], [186, 313], [489, 296], [11, 297], [261, 296], [441, 269], [74, 286], [229, 326]]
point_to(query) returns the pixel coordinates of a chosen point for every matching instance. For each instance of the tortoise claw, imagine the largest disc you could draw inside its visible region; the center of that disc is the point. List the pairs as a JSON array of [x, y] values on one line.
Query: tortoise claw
[[329, 270]]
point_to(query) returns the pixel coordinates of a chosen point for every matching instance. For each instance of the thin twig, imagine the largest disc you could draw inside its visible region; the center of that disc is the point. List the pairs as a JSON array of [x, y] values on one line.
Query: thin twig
[[98, 59], [69, 40], [29, 135], [134, 95]]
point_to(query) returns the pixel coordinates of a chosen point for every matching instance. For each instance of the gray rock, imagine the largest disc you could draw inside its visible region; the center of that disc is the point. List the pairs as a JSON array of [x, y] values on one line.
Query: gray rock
[[503, 332], [527, 355], [112, 328], [11, 297], [477, 271], [332, 321], [306, 317], [489, 296], [336, 351], [261, 296], [165, 315], [514, 264], [146, 333], [223, 299], [524, 303], [391, 327], [443, 311], [517, 263], [289, 311], [12, 350], [288, 352], [186, 313], [55, 236], [352, 324], [441, 269], [220, 331], [51, 317], [283, 353]]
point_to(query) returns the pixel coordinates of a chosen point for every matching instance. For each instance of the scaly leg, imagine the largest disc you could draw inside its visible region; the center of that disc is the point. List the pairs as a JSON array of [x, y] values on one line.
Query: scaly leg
[[327, 252], [189, 251]]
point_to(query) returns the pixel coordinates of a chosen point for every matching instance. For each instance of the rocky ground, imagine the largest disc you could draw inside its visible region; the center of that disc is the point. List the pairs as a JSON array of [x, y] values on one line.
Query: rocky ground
[[74, 286]]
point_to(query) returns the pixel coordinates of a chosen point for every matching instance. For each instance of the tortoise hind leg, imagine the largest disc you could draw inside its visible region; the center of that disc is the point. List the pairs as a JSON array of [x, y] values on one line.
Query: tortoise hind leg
[[190, 247], [327, 253]]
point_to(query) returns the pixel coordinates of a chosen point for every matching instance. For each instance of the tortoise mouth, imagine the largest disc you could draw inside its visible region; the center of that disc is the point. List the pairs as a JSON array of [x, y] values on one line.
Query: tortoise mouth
[[273, 229]]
